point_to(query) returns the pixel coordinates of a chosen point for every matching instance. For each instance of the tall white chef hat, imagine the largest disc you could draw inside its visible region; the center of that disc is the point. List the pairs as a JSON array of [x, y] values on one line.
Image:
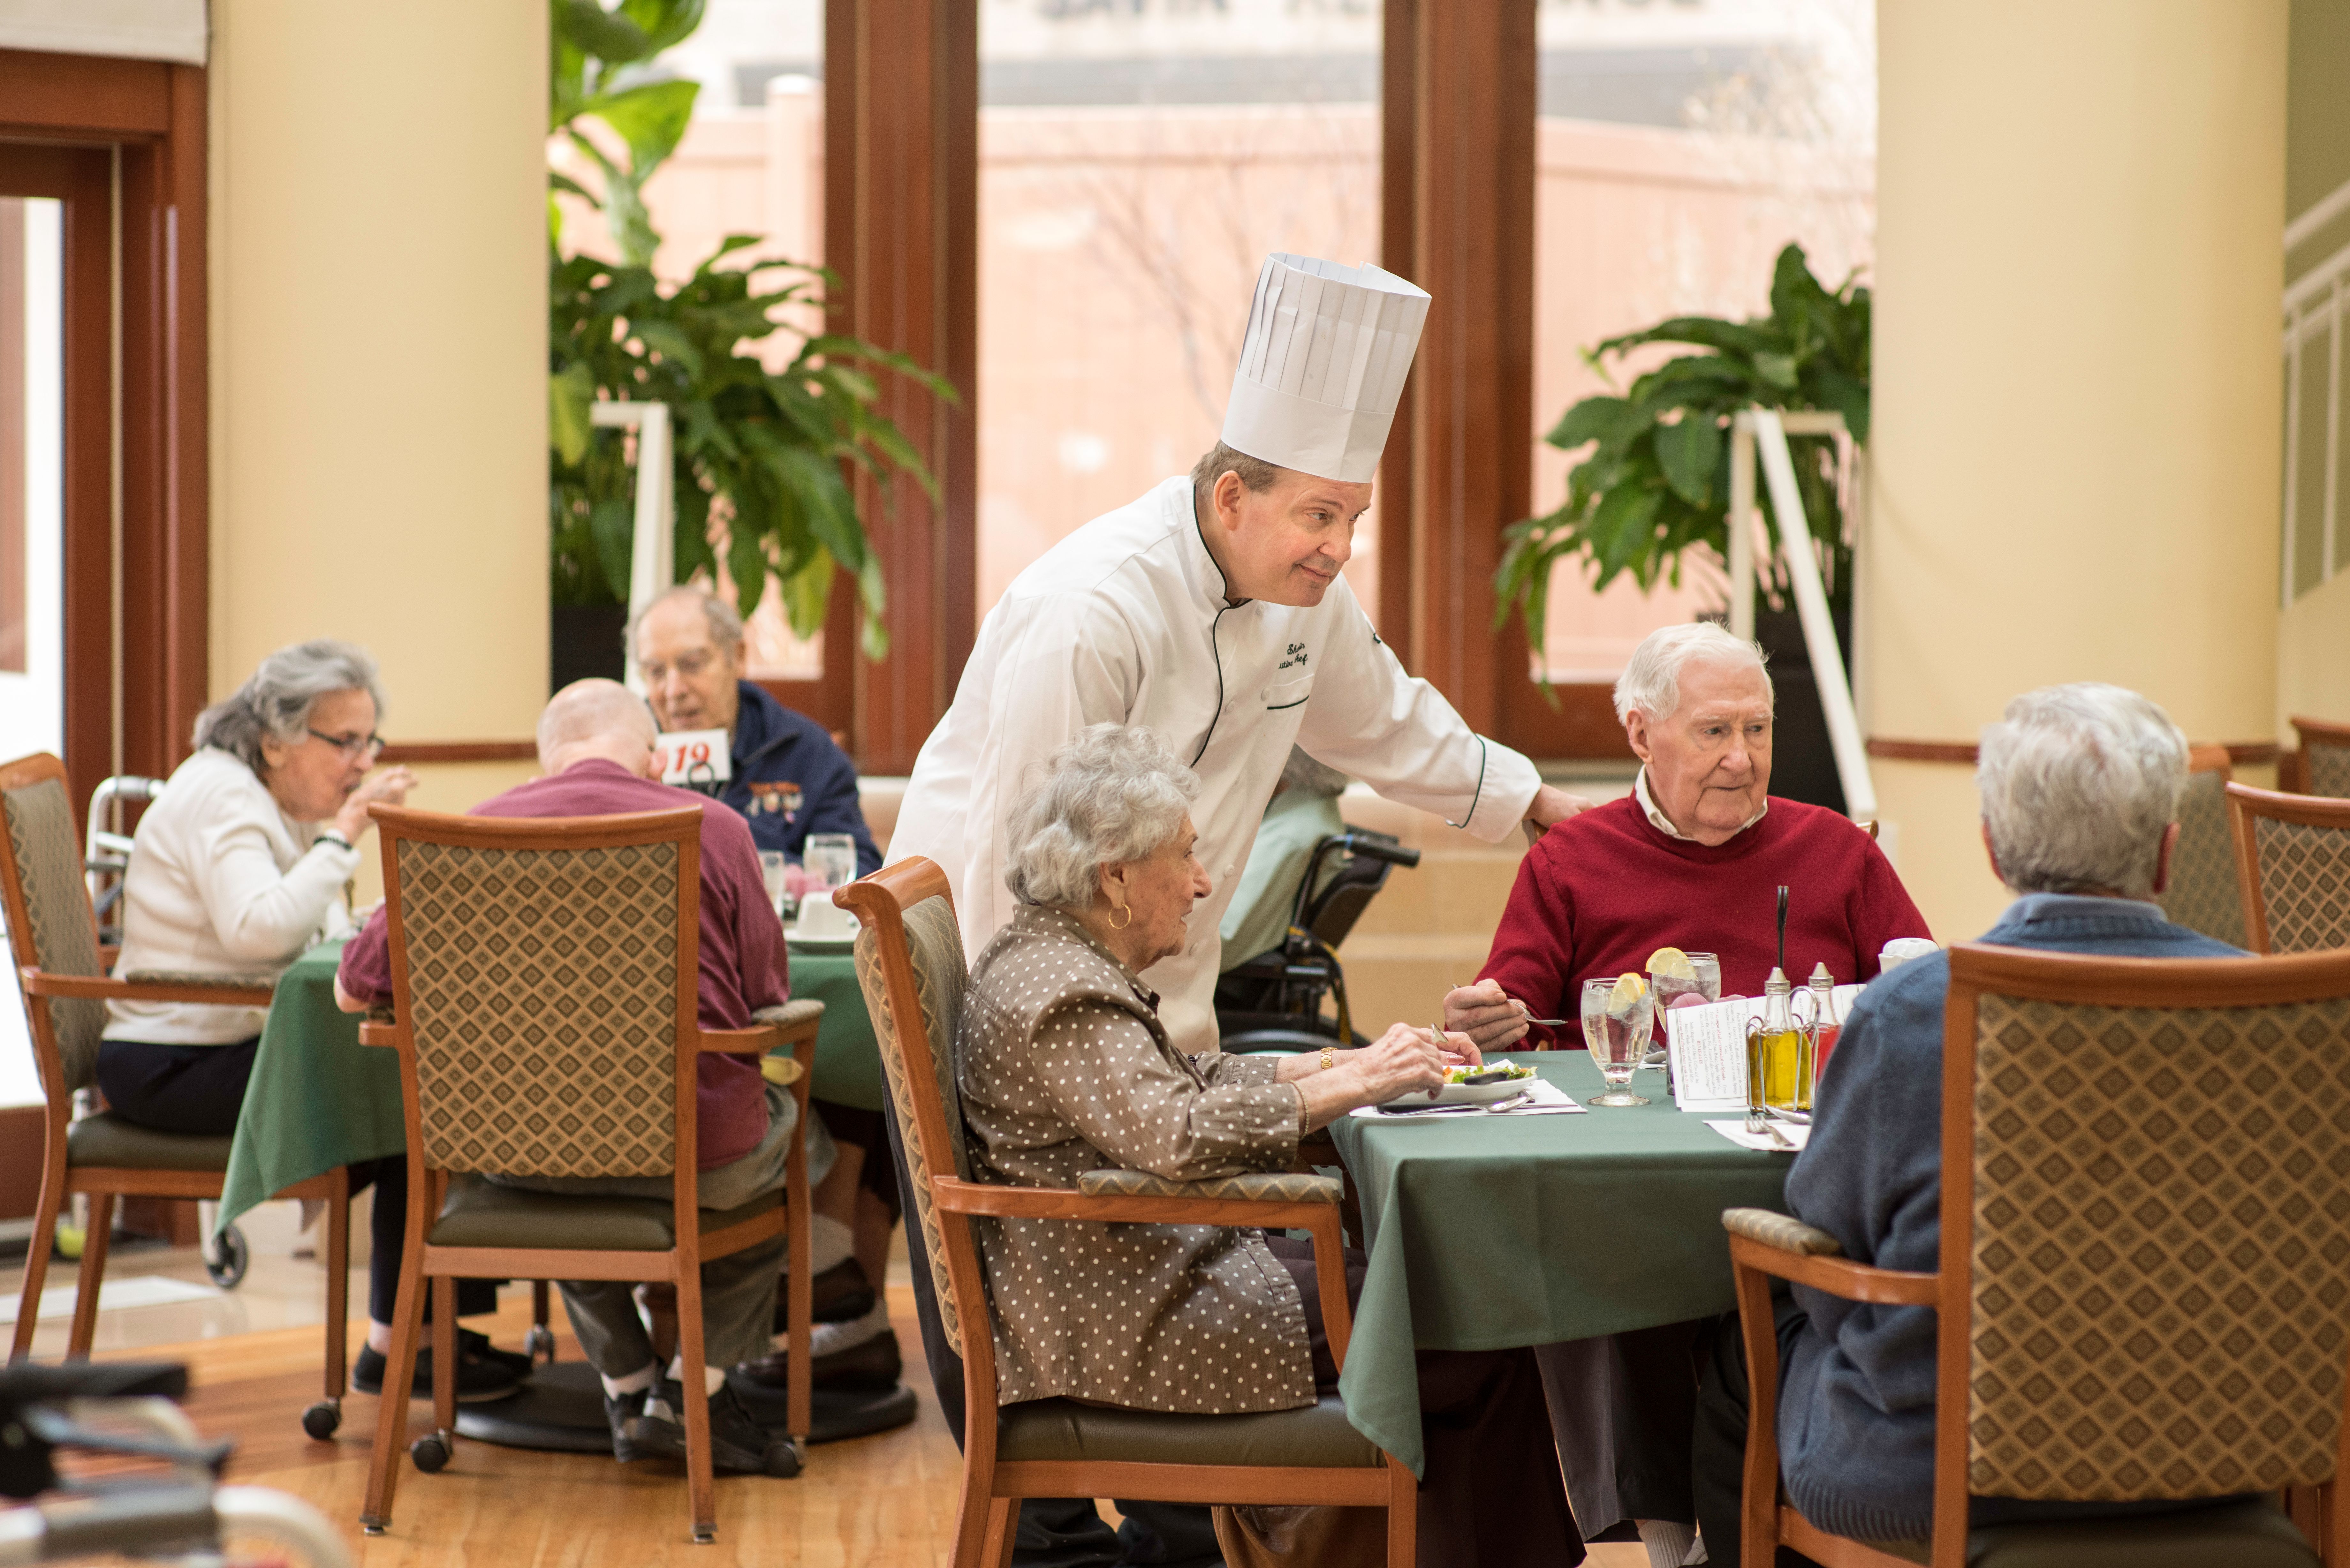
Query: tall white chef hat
[[1323, 366]]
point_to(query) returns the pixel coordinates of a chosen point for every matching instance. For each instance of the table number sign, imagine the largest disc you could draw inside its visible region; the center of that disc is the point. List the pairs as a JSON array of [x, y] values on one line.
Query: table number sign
[[695, 757]]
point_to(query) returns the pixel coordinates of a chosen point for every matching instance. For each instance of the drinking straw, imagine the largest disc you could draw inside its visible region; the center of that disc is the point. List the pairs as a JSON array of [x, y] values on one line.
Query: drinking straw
[[1783, 927]]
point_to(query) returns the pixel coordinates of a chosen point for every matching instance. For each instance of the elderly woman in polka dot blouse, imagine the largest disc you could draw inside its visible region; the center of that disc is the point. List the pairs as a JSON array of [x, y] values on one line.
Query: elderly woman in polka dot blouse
[[1063, 1067]]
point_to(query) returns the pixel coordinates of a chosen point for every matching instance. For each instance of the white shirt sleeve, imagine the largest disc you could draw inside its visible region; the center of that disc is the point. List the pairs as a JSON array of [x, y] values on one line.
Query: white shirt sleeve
[[1067, 663], [257, 911], [1396, 734]]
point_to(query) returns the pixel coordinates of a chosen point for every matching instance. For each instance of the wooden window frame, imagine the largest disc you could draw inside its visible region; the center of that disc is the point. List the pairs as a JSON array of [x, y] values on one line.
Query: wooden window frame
[[146, 119]]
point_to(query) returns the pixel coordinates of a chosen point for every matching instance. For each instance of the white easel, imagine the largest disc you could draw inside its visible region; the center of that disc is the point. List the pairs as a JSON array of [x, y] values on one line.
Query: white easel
[[652, 550], [1768, 429]]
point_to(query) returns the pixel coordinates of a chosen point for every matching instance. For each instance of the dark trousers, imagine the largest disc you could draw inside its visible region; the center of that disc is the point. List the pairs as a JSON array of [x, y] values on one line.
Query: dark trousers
[[1055, 1532], [1485, 1435], [1620, 1407], [197, 1090]]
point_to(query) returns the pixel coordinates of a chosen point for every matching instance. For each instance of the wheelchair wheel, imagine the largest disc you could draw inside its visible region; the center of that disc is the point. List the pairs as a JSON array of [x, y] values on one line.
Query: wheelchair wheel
[[226, 1258]]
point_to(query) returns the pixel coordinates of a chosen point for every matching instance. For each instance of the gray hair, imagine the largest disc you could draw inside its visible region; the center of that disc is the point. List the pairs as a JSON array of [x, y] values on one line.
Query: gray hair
[[274, 702], [725, 621], [2078, 782], [1303, 773], [1115, 793], [1651, 681], [1256, 474]]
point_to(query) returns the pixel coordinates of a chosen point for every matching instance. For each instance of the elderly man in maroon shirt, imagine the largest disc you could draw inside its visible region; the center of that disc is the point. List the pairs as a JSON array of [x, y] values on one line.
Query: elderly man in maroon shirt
[[1692, 858], [596, 745]]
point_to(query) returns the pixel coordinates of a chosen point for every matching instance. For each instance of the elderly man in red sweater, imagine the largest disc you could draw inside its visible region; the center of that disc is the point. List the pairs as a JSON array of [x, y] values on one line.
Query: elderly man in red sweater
[[1693, 857]]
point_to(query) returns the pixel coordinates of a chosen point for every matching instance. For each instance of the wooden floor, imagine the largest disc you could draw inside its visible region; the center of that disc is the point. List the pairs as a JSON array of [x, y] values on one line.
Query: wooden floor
[[872, 1502]]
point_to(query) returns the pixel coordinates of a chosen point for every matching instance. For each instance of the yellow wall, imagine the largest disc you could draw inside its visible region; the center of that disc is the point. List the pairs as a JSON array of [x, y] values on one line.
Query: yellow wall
[[2074, 458], [378, 356]]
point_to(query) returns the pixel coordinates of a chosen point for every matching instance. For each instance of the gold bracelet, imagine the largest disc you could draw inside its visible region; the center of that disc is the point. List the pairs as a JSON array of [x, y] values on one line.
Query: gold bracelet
[[1329, 1057]]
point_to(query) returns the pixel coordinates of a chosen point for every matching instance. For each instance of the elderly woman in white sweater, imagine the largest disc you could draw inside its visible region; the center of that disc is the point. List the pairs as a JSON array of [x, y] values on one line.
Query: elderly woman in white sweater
[[238, 869]]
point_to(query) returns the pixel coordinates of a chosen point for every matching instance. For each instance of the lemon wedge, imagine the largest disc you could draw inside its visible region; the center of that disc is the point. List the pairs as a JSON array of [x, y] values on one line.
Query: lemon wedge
[[1671, 963], [1629, 989]]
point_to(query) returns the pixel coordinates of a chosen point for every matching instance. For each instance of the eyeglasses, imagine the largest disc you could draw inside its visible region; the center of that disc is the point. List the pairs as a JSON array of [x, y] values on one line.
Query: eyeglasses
[[351, 745]]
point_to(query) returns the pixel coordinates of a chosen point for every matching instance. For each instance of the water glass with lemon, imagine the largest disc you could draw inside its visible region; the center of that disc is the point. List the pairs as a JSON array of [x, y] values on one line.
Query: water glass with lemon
[[1618, 1017], [1681, 979]]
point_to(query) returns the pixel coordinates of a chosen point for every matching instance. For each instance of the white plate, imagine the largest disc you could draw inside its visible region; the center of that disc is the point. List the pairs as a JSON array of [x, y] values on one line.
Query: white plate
[[822, 944], [1466, 1094]]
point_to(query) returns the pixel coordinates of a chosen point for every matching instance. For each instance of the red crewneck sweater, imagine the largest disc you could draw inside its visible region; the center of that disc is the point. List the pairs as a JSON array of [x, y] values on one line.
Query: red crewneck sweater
[[1603, 889]]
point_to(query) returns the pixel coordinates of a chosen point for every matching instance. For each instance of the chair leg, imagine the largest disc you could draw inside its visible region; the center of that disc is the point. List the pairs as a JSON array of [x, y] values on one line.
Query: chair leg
[[338, 1284], [800, 1289], [974, 1516], [391, 1410], [444, 1359], [36, 1267], [1003, 1532], [1403, 1516], [702, 1494], [93, 1272]]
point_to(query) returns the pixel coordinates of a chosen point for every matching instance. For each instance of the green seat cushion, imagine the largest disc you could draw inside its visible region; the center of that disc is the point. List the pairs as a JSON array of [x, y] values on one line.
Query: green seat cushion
[[2255, 1534], [105, 1140], [1316, 1437], [481, 1213]]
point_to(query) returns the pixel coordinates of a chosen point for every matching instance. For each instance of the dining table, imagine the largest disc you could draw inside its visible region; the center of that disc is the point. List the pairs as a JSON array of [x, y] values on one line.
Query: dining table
[[318, 1099], [1493, 1231]]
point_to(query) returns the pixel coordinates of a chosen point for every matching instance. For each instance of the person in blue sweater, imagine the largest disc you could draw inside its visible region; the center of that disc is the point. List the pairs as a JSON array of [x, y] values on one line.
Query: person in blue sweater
[[2080, 790], [789, 779]]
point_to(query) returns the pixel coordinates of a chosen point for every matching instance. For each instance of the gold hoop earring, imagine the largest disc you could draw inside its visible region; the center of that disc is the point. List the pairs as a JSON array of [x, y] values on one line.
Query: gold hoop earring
[[1117, 925]]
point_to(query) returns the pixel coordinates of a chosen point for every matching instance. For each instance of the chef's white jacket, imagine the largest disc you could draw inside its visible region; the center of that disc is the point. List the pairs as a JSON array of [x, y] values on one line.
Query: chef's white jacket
[[1126, 620]]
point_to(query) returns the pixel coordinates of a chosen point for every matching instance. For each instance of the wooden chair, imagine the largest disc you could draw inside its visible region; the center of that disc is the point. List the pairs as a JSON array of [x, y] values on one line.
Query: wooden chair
[[53, 937], [2144, 1289], [909, 962], [545, 1009], [2325, 758], [2293, 859], [2206, 892]]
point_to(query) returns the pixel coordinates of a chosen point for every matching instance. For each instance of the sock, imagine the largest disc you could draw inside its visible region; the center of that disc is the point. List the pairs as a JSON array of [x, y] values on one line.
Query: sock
[[1668, 1543], [830, 1338], [1697, 1555], [636, 1382], [713, 1378], [830, 1241]]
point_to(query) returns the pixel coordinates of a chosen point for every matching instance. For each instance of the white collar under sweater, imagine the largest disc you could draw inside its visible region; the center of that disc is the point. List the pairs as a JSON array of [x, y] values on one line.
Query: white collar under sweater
[[1664, 825]]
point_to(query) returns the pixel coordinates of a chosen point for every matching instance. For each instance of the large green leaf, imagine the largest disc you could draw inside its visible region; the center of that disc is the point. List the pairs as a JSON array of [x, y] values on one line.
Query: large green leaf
[[1688, 451], [592, 30], [664, 22], [570, 393], [1587, 421], [651, 119], [613, 524]]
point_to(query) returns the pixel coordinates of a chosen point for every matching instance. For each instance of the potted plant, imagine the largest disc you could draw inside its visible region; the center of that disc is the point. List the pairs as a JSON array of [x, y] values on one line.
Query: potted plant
[[761, 457], [1655, 484]]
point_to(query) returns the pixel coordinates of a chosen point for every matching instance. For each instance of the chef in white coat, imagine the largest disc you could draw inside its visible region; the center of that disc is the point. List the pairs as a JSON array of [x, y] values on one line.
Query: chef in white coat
[[1213, 610]]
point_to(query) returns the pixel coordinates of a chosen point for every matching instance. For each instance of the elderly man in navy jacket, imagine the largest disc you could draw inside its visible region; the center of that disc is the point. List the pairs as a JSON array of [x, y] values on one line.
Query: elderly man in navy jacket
[[789, 779], [2080, 791]]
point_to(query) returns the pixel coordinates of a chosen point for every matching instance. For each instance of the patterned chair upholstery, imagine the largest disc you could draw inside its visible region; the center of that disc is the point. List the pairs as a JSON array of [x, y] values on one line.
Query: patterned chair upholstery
[[934, 946], [544, 967], [2204, 893], [2151, 1199], [2303, 872], [63, 933], [2325, 758]]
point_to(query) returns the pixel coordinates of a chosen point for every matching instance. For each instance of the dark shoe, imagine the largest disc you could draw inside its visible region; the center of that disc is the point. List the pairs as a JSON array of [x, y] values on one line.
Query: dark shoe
[[622, 1414], [478, 1382], [873, 1367], [840, 1294], [738, 1445], [471, 1346]]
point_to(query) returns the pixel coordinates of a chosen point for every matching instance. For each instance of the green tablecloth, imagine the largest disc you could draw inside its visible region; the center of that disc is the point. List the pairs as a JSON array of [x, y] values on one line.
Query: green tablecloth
[[319, 1099], [1488, 1234]]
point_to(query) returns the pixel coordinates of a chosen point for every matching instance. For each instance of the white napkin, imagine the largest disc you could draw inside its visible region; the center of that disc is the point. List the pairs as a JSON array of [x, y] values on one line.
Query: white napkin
[[1736, 1132]]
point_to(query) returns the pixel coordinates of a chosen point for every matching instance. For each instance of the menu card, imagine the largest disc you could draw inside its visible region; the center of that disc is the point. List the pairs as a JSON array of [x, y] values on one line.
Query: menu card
[[1708, 1045]]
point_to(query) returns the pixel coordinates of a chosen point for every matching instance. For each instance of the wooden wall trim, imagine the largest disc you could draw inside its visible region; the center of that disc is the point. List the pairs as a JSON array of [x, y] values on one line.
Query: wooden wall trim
[[901, 206], [85, 97], [1398, 253], [460, 752], [2241, 753], [1473, 196]]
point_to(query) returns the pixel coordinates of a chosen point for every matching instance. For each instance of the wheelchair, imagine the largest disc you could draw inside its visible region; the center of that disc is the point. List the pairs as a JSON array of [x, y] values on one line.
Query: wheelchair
[[1273, 1002]]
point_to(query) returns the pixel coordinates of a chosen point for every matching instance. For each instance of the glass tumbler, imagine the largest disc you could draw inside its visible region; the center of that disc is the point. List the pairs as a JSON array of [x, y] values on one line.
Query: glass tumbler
[[831, 857]]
